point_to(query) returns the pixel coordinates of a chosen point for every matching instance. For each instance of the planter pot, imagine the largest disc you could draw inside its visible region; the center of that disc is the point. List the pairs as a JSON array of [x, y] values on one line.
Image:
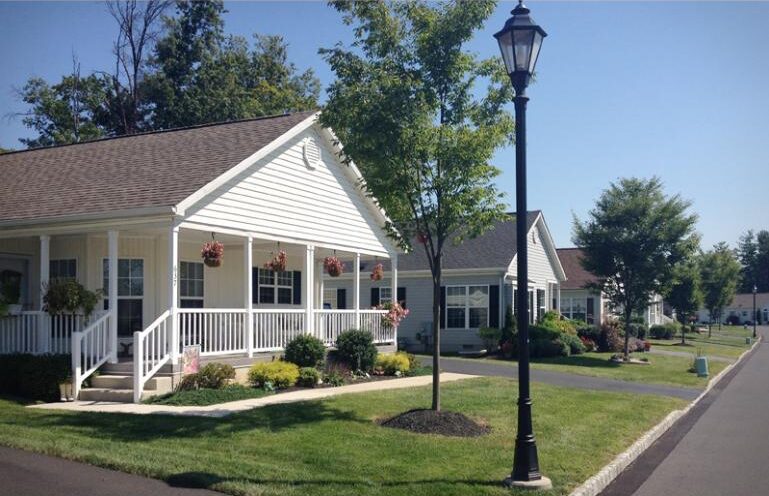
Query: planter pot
[[65, 390], [748, 341], [14, 309], [701, 365], [212, 262]]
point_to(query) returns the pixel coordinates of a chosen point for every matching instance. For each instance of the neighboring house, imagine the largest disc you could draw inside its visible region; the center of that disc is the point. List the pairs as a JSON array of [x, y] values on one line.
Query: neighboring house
[[130, 214], [479, 281], [741, 307], [580, 303]]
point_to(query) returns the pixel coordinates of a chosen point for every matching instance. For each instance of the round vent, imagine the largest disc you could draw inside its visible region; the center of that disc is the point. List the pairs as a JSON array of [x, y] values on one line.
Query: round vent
[[311, 153]]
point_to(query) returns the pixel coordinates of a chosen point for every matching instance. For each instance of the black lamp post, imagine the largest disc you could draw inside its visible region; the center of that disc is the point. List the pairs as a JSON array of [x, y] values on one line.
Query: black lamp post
[[520, 40], [755, 316]]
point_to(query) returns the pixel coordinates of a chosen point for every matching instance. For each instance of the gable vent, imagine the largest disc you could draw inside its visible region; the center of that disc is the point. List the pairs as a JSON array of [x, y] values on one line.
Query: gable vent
[[310, 153]]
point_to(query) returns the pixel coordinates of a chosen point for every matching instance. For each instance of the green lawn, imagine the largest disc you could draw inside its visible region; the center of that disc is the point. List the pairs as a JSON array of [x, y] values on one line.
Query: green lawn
[[334, 446], [728, 343], [203, 397]]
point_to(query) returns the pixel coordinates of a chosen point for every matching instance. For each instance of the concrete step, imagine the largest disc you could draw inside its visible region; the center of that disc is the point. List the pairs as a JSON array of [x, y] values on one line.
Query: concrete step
[[107, 394], [127, 368], [111, 381]]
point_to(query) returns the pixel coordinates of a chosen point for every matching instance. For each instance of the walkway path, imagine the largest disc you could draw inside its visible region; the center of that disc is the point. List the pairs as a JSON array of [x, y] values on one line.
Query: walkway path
[[478, 367], [720, 447], [29, 474]]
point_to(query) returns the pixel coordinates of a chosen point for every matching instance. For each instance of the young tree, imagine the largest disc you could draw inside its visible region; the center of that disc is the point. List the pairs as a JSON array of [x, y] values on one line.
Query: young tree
[[685, 294], [753, 253], [720, 277], [406, 107], [632, 240]]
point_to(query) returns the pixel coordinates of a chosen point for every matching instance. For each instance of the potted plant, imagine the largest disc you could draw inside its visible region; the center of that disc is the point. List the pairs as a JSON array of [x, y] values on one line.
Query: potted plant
[[377, 273], [212, 253], [333, 266], [10, 291], [70, 297], [278, 262], [395, 313]]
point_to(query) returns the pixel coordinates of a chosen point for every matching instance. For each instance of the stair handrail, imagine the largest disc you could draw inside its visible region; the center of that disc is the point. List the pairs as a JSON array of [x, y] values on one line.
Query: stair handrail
[[90, 350], [151, 350]]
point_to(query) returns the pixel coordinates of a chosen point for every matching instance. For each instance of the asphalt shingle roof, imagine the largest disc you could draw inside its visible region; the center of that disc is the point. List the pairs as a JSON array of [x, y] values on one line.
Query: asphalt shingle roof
[[147, 170], [576, 276]]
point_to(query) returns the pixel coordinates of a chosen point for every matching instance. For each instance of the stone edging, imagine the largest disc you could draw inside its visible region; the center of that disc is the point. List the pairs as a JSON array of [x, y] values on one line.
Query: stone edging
[[597, 483]]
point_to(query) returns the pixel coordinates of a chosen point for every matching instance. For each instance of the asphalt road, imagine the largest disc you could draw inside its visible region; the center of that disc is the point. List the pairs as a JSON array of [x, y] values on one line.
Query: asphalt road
[[30, 474], [719, 448]]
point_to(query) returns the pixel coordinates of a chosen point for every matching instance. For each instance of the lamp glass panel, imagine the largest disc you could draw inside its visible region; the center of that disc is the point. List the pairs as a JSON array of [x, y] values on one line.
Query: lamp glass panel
[[523, 41], [535, 51], [506, 47]]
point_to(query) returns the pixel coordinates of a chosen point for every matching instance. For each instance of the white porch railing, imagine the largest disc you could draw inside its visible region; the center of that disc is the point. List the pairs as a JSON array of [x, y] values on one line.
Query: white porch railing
[[273, 329], [329, 323], [19, 333], [372, 321], [90, 349], [151, 349], [217, 331]]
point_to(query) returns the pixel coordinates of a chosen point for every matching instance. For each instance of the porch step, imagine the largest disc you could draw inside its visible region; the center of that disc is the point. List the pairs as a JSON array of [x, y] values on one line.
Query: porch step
[[127, 368], [158, 384], [106, 394]]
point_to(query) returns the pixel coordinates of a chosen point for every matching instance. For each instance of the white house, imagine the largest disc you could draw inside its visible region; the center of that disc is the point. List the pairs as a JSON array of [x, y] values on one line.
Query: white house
[[479, 282], [741, 310], [130, 214]]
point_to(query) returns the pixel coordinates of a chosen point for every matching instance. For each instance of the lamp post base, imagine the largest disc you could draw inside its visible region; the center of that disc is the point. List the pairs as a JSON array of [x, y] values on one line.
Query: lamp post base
[[541, 484]]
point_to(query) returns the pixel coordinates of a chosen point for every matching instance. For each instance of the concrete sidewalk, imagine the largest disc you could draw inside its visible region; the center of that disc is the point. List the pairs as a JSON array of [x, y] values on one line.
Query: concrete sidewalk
[[224, 409]]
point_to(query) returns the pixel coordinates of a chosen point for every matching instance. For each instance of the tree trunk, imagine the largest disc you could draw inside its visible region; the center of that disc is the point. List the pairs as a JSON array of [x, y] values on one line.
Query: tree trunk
[[437, 336], [628, 316], [710, 324], [683, 333]]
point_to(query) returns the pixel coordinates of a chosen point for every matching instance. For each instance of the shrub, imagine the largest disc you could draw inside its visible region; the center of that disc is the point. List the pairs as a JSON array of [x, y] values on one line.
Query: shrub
[[588, 343], [543, 333], [552, 320], [305, 351], [277, 374], [609, 339], [210, 376], [591, 332], [576, 347], [336, 374], [36, 377], [637, 330], [392, 363], [490, 337], [308, 377], [356, 349], [666, 331], [543, 348], [635, 344]]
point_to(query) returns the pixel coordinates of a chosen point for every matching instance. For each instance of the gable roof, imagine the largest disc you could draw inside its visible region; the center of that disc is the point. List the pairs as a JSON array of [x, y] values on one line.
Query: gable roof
[[745, 300], [576, 276], [142, 171]]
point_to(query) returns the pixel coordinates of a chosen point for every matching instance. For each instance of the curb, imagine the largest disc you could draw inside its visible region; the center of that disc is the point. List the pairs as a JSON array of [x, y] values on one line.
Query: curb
[[597, 483]]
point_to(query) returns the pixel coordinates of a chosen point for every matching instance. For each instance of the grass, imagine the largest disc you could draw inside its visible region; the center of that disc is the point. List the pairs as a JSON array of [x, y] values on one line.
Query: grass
[[205, 397], [727, 343], [335, 447]]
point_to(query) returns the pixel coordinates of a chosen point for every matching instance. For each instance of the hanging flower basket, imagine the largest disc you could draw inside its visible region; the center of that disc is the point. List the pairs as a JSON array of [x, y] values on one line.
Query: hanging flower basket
[[395, 314], [212, 253], [333, 266], [377, 273], [278, 262]]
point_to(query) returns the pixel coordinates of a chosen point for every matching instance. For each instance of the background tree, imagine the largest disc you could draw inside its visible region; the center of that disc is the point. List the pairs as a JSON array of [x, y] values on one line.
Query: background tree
[[406, 106], [632, 240], [753, 253], [720, 276], [685, 293]]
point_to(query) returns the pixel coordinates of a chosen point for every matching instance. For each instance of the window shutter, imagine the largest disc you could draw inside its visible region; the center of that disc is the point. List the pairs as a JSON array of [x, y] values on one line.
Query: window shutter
[[297, 287], [443, 307], [494, 306], [341, 299], [254, 284], [590, 312], [402, 297], [374, 297]]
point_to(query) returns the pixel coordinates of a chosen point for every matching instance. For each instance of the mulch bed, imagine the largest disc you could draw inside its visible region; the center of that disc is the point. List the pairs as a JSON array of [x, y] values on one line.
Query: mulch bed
[[432, 422]]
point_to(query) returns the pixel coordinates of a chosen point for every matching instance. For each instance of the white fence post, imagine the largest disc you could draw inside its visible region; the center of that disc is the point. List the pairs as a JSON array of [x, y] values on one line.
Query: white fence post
[[356, 290], [112, 293], [45, 266], [248, 260], [138, 356], [309, 267], [173, 293], [76, 363]]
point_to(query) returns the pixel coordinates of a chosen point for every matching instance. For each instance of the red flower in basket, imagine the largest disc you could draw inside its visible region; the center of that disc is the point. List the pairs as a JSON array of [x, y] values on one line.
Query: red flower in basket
[[422, 238], [333, 266], [377, 273], [212, 253], [278, 262]]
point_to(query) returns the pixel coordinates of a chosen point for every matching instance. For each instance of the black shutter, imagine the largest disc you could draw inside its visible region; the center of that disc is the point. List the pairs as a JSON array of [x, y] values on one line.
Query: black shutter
[[443, 307], [590, 311], [402, 297], [341, 299], [374, 297], [254, 284], [297, 287], [494, 306]]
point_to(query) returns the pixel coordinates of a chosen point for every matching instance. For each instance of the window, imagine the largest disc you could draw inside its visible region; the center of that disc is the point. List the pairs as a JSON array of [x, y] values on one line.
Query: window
[[191, 284], [276, 287], [130, 291], [574, 308], [541, 303], [385, 294], [62, 270], [467, 307], [329, 298], [531, 304]]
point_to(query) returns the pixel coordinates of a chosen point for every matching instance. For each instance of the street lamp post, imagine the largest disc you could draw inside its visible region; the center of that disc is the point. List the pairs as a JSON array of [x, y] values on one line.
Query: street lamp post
[[755, 317], [519, 41]]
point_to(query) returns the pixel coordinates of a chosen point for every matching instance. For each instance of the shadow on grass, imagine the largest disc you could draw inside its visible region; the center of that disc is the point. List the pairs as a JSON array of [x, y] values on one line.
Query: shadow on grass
[[580, 361], [128, 428]]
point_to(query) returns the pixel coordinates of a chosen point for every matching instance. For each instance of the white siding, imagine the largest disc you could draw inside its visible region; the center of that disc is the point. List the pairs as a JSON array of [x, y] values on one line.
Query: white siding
[[281, 197], [540, 266]]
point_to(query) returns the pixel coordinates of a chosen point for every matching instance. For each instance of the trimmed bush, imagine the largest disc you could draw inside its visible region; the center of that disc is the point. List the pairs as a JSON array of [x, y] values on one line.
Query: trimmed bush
[[543, 333], [305, 351], [490, 337], [210, 376], [355, 348], [637, 331], [35, 377], [392, 363], [308, 377], [542, 348], [666, 331], [278, 374], [576, 347], [591, 332], [609, 339], [552, 320]]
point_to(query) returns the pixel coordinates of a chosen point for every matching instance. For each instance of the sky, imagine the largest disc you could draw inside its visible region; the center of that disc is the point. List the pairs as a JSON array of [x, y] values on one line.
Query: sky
[[673, 89]]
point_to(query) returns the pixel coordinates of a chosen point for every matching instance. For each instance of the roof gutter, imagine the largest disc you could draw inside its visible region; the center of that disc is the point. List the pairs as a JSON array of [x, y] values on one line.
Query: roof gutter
[[169, 210]]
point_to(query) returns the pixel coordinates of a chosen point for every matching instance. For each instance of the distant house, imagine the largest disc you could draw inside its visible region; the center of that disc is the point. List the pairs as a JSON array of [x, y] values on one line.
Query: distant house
[[741, 310], [580, 303], [479, 283]]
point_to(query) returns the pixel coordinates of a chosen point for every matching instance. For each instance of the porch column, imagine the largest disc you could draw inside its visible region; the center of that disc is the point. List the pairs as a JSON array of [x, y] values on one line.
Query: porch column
[[356, 290], [394, 270], [558, 298], [43, 336], [173, 289], [248, 261], [309, 289], [112, 293]]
